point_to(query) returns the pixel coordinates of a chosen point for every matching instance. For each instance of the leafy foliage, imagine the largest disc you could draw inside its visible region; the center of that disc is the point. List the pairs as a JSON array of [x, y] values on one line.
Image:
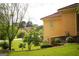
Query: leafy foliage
[[57, 42], [33, 36], [11, 14], [20, 35], [22, 24], [5, 45], [29, 24], [69, 40], [22, 45]]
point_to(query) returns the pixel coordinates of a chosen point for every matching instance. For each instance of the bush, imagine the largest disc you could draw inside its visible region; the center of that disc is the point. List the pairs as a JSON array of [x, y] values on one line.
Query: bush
[[46, 46], [57, 42], [5, 45], [69, 40], [22, 45]]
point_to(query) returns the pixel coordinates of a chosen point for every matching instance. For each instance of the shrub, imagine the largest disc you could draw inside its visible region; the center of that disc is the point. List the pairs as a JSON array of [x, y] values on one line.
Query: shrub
[[69, 40], [5, 45], [22, 45], [46, 46], [57, 42]]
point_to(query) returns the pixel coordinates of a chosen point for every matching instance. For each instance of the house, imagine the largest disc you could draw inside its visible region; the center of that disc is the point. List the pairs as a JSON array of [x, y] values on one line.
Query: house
[[62, 22]]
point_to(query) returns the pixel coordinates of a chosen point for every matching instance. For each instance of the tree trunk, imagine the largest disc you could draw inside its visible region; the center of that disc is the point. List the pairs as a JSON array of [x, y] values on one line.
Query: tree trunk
[[22, 48], [10, 45], [29, 47]]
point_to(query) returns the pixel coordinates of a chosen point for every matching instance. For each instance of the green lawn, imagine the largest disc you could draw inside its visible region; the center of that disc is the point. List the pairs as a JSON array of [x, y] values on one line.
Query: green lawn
[[15, 45], [66, 50]]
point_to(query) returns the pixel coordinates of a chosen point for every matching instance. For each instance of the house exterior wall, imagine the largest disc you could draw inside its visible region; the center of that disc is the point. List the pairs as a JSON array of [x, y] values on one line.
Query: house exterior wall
[[47, 30], [58, 25], [69, 21]]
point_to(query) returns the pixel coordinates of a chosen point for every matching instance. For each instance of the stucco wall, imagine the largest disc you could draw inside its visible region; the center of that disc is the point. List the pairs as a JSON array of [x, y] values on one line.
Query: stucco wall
[[69, 21], [58, 25], [53, 27]]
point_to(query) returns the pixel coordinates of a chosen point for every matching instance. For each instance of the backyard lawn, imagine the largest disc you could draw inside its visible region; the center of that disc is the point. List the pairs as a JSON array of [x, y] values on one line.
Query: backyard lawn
[[16, 43], [66, 50]]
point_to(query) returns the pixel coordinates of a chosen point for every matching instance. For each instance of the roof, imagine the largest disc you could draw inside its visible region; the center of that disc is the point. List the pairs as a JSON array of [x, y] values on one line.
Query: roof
[[57, 13], [70, 6], [52, 15]]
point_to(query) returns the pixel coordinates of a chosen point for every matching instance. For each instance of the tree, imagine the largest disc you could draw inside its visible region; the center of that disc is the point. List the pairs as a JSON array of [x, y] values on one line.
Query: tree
[[22, 24], [33, 37], [11, 14], [29, 24]]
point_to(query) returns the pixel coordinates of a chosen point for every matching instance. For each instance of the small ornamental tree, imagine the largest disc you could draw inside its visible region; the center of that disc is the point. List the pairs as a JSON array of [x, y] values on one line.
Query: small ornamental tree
[[11, 15], [28, 39], [33, 37]]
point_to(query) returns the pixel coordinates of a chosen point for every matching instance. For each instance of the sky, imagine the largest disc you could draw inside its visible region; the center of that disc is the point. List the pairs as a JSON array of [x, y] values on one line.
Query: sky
[[38, 9]]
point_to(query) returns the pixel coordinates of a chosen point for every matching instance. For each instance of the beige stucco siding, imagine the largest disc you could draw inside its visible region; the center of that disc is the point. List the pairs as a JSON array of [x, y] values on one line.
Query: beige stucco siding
[[69, 22], [53, 27], [60, 23]]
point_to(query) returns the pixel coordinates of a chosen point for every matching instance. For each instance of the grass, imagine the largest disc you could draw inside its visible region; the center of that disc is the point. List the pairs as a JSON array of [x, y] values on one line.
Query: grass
[[66, 50], [15, 45]]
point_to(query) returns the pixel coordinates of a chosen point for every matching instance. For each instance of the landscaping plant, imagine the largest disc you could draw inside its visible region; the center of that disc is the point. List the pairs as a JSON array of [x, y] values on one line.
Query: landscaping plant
[[11, 15]]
